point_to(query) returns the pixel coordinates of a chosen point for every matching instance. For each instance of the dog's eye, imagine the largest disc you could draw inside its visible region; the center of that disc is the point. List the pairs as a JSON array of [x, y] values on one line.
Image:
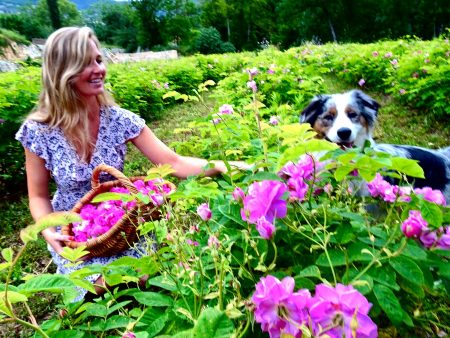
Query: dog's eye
[[352, 115]]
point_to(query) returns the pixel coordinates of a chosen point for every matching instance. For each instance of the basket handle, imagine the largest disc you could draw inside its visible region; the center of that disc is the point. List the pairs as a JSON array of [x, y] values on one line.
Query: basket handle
[[114, 172]]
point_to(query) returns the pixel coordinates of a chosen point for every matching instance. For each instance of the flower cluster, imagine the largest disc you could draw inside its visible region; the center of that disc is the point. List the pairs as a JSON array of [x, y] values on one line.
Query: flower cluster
[[416, 227], [263, 203], [297, 176], [379, 187], [341, 311], [98, 218]]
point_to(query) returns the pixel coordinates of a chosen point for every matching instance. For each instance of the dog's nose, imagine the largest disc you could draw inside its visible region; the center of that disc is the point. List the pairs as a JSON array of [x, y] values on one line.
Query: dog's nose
[[344, 133]]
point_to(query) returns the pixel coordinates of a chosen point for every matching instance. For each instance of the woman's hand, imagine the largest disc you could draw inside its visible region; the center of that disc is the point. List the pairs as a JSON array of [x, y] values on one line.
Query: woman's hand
[[56, 239]]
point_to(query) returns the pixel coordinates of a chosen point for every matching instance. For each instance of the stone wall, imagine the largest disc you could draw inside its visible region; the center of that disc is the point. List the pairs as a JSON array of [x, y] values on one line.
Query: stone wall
[[11, 56]]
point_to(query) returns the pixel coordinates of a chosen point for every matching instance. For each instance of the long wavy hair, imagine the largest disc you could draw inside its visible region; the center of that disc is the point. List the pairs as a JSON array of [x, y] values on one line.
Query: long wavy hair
[[66, 53]]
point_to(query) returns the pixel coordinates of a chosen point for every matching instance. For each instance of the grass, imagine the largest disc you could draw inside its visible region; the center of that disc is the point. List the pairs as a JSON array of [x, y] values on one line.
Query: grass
[[397, 124]]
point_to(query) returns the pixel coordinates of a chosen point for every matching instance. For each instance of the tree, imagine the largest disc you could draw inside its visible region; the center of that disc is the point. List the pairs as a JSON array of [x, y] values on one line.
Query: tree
[[151, 21], [54, 13], [68, 14], [114, 23]]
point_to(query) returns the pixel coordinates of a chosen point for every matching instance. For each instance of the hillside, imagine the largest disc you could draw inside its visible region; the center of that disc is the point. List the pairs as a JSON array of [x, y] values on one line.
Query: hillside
[[12, 6]]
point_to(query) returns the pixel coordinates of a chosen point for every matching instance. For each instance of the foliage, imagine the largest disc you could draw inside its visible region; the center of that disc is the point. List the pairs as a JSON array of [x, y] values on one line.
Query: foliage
[[317, 230], [7, 36], [18, 95], [209, 41]]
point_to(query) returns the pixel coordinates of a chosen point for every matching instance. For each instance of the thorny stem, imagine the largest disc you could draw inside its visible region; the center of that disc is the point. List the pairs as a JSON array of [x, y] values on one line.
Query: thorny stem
[[258, 122], [32, 325]]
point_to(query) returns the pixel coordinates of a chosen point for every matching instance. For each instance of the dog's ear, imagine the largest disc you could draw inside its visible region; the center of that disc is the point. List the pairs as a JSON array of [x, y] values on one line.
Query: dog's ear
[[314, 109], [367, 106]]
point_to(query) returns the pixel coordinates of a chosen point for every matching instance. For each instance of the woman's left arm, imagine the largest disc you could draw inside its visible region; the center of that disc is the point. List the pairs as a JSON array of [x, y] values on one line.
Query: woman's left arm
[[159, 153]]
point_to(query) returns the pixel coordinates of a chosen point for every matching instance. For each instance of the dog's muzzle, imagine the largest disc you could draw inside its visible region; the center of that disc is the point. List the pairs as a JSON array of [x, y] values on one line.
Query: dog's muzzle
[[344, 135]]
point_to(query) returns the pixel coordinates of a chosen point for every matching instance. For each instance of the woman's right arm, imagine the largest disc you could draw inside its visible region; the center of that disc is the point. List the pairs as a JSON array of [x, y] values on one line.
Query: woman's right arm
[[38, 178]]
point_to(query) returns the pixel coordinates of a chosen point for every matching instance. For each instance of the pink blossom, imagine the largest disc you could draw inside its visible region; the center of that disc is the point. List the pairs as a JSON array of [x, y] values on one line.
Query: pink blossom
[[388, 55], [305, 168], [191, 242], [238, 194], [253, 71], [336, 308], [428, 238], [274, 120], [394, 62], [277, 306], [216, 120], [128, 334], [431, 195], [98, 218], [297, 188], [402, 91], [414, 224], [375, 53], [226, 109], [204, 211], [252, 86], [264, 199], [361, 82], [213, 242], [265, 228], [444, 240]]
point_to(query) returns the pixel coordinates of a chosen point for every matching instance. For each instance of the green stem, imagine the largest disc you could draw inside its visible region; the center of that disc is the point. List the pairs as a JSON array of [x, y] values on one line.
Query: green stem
[[258, 122], [247, 325], [221, 285], [275, 253], [8, 278]]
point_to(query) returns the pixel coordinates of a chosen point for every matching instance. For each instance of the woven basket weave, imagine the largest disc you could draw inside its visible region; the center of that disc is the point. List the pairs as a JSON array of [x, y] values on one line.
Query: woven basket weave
[[124, 233]]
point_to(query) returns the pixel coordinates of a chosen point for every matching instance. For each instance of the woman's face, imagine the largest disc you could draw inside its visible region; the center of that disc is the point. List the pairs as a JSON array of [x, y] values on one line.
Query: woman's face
[[89, 83]]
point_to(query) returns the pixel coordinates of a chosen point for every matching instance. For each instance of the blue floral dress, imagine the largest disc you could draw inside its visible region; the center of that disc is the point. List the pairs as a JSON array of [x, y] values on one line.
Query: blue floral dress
[[73, 176]]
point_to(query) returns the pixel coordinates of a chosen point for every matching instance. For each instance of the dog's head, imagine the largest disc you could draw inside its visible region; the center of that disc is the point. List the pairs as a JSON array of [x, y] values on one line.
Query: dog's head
[[346, 119]]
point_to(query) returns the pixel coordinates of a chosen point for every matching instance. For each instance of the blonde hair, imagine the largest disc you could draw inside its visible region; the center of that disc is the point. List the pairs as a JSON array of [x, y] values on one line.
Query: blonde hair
[[66, 53]]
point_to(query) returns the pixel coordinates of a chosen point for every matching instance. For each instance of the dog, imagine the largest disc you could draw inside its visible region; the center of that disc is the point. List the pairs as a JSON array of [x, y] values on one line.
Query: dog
[[349, 119]]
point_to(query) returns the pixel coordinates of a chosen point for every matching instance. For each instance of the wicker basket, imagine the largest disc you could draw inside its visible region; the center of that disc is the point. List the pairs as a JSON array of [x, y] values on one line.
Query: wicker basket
[[123, 234]]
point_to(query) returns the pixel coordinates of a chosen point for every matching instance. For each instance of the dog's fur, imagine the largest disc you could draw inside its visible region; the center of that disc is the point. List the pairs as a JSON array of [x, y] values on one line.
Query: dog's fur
[[348, 119]]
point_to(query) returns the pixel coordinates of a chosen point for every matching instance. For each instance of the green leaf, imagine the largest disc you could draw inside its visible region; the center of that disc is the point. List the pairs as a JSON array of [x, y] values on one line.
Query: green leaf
[[153, 299], [74, 254], [8, 254], [163, 283], [432, 213], [54, 283], [157, 325], [389, 303], [408, 269], [407, 166], [308, 147], [112, 196], [213, 323], [159, 171], [337, 258], [310, 271], [13, 297], [171, 93], [264, 175], [96, 310], [384, 275], [54, 219]]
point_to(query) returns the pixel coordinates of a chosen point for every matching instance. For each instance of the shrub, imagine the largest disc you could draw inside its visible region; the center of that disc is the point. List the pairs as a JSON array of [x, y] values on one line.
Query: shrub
[[208, 41]]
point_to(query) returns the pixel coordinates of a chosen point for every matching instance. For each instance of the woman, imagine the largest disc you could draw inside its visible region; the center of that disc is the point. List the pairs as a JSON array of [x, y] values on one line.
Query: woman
[[77, 126]]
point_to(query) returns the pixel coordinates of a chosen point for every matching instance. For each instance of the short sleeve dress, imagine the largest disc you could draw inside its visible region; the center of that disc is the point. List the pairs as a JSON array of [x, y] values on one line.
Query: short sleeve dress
[[73, 176]]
